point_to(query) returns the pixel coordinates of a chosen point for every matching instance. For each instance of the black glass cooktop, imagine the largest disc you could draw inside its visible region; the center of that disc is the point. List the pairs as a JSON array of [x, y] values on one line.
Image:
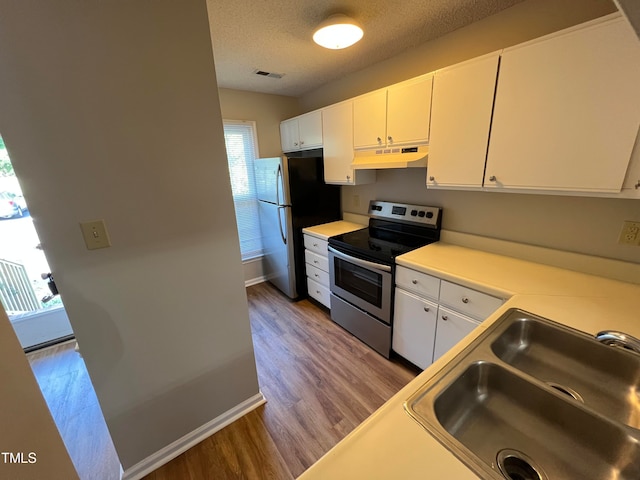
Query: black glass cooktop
[[383, 241]]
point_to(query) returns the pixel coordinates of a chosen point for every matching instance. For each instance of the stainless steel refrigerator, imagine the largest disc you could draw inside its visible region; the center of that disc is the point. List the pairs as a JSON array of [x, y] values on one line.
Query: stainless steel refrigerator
[[292, 195]]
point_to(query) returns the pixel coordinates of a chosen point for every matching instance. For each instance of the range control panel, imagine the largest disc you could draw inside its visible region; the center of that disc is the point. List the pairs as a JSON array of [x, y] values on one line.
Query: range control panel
[[404, 212]]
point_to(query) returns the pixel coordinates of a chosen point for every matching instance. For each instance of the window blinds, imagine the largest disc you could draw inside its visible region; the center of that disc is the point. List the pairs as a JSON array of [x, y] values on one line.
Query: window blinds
[[241, 152]]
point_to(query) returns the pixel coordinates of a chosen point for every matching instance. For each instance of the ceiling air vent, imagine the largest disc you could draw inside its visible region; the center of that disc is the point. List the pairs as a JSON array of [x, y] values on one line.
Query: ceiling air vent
[[268, 74]]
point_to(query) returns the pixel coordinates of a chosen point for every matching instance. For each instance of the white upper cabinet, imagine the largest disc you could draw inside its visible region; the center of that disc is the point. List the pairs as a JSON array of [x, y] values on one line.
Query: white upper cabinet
[[395, 116], [337, 125], [302, 133], [370, 120], [460, 122], [567, 111]]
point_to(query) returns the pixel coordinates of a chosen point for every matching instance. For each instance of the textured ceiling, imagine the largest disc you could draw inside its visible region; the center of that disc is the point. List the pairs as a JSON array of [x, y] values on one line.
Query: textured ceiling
[[275, 36]]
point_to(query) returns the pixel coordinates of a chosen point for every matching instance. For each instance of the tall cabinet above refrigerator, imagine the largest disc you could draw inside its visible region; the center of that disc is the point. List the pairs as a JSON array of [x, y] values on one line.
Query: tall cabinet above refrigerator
[[292, 195]]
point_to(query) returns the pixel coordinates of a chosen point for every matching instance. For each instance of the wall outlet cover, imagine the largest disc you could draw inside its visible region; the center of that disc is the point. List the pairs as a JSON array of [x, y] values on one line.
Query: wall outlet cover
[[630, 233]]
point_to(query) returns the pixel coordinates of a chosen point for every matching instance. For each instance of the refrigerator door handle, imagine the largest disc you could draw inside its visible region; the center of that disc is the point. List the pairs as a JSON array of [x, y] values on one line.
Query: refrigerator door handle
[[278, 178], [284, 239]]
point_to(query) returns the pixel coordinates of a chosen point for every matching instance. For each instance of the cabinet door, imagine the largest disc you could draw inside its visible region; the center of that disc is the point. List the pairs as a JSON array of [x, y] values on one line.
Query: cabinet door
[[414, 328], [310, 130], [337, 125], [451, 328], [408, 112], [370, 120], [460, 122], [289, 135], [567, 111]]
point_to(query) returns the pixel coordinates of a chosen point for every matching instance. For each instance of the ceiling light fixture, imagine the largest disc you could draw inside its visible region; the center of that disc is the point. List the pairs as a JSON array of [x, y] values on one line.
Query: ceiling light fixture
[[338, 31]]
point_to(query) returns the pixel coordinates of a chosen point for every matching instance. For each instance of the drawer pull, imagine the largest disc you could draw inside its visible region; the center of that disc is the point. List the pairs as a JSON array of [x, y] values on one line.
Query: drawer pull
[[414, 281], [315, 244], [315, 274], [315, 261], [318, 292], [465, 300], [426, 309], [445, 318]]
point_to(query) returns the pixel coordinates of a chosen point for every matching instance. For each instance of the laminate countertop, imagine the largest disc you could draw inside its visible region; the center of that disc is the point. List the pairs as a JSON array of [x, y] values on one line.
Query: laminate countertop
[[389, 444], [327, 230]]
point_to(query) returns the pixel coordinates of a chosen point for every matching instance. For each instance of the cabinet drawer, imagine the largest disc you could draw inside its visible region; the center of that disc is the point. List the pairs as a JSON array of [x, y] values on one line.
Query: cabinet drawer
[[315, 260], [414, 328], [319, 292], [451, 328], [315, 245], [476, 304], [317, 275], [418, 282]]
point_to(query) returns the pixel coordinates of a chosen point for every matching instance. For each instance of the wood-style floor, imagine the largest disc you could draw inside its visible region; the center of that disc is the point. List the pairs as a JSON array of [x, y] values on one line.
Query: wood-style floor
[[67, 389], [320, 383]]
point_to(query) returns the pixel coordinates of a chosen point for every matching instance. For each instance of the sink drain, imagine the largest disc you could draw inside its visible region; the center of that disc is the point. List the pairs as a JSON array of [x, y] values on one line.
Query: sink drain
[[566, 390], [515, 465]]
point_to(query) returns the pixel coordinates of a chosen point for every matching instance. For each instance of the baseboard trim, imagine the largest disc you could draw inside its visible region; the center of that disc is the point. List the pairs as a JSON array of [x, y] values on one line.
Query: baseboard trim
[[255, 281], [183, 444]]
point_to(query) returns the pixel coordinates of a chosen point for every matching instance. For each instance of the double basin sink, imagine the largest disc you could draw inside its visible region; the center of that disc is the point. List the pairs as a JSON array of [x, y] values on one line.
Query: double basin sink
[[530, 399]]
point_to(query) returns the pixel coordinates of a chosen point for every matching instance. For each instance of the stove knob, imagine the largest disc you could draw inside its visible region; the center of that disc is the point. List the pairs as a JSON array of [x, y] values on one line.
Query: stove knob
[[421, 213], [414, 213], [429, 214]]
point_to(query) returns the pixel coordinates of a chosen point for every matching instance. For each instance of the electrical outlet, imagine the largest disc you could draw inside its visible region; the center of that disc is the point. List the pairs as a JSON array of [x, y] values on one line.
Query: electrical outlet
[[630, 233]]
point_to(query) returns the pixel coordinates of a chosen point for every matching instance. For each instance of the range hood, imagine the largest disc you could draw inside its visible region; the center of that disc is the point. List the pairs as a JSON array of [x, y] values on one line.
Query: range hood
[[392, 157]]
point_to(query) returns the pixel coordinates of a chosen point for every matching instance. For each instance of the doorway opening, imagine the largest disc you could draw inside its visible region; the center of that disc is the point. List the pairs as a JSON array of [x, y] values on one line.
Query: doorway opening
[[27, 291]]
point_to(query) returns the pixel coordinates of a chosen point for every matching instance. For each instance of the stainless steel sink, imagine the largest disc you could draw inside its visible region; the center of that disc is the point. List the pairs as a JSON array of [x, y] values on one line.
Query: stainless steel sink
[[531, 399], [606, 379]]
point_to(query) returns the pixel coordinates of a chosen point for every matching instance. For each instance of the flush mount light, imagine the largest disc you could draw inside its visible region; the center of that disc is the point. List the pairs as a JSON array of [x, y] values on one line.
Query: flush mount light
[[338, 31]]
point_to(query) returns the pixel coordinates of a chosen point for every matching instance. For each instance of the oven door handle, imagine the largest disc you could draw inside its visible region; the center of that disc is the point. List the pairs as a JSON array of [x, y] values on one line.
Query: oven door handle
[[358, 261]]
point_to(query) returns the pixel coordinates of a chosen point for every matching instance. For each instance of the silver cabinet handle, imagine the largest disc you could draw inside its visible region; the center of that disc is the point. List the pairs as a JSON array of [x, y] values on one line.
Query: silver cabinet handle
[[301, 142], [390, 139], [295, 143], [315, 244], [315, 261], [637, 185], [316, 275], [348, 177], [379, 140], [426, 309], [432, 179], [492, 178], [445, 318], [465, 300], [414, 281]]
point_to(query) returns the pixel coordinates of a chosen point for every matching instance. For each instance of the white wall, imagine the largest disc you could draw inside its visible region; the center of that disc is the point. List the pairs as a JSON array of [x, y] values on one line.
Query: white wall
[[25, 421], [575, 224], [110, 111]]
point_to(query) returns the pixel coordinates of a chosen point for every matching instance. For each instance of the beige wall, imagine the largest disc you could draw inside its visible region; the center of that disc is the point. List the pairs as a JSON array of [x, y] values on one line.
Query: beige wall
[[110, 111], [576, 224], [266, 110], [25, 420]]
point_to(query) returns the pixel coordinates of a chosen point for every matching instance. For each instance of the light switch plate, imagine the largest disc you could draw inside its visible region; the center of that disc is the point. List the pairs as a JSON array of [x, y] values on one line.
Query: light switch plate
[[95, 234]]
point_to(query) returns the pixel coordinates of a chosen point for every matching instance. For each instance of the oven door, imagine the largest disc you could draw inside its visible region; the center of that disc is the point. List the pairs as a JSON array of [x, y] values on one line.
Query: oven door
[[365, 284]]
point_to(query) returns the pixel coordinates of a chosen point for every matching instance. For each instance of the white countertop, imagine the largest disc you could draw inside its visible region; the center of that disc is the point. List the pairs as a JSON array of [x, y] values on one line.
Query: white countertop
[[389, 444], [327, 230]]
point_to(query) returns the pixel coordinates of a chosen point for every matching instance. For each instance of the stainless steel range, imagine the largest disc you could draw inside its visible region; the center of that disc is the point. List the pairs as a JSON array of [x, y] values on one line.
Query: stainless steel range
[[362, 267]]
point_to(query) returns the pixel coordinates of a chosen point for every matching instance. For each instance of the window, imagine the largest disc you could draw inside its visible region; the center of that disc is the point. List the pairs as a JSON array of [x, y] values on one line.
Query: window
[[240, 138]]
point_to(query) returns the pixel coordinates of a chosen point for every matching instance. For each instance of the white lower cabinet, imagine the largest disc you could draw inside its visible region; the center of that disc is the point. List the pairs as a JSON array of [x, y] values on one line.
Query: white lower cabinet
[[317, 266], [434, 315], [414, 331], [319, 292], [452, 327]]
